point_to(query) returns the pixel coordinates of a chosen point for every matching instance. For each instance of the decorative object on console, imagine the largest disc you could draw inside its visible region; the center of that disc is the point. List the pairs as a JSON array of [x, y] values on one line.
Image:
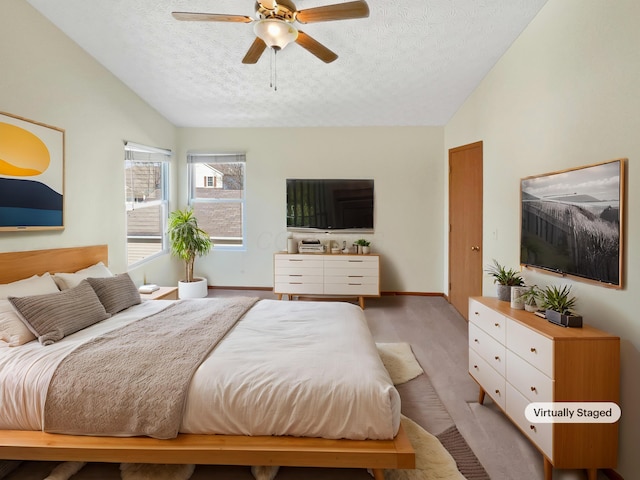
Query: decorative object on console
[[363, 246], [310, 246], [558, 306], [188, 241], [504, 280], [573, 222], [517, 301], [31, 175], [531, 298]]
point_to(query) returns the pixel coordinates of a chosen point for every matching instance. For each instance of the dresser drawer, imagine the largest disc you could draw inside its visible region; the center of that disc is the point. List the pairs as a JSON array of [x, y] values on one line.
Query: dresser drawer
[[490, 380], [296, 279], [528, 380], [531, 346], [488, 348], [299, 288], [488, 320], [357, 288], [539, 433], [298, 261]]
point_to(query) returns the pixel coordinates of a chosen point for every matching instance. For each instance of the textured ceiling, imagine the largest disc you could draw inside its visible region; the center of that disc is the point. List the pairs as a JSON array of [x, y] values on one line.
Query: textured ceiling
[[411, 62]]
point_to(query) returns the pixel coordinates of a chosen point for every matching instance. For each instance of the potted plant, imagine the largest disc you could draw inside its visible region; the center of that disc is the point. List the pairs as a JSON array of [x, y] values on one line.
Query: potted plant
[[363, 246], [188, 241], [531, 298], [558, 304], [504, 280]]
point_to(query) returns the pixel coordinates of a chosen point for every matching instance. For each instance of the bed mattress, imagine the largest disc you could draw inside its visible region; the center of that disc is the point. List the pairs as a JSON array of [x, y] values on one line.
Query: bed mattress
[[308, 369]]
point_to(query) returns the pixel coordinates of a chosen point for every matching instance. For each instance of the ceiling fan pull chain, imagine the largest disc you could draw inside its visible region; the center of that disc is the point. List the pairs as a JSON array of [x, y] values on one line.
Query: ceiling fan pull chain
[[275, 70]]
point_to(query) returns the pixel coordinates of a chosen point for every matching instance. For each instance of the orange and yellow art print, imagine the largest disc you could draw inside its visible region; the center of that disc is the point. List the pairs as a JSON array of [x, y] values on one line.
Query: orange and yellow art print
[[31, 175]]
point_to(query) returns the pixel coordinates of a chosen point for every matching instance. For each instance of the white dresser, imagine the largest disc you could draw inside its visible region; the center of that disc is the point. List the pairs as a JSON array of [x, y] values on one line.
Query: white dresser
[[324, 274], [518, 358]]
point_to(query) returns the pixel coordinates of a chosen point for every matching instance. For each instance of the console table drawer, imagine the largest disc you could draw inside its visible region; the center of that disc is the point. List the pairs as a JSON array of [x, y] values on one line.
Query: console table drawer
[[488, 348], [488, 320], [299, 288], [490, 380], [298, 261], [292, 269], [356, 288], [531, 346], [528, 380], [304, 279]]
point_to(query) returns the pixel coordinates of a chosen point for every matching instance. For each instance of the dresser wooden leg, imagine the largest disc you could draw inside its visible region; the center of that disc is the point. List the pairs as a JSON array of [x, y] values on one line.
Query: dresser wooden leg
[[481, 396], [378, 474], [279, 296], [548, 469], [361, 302], [592, 473]]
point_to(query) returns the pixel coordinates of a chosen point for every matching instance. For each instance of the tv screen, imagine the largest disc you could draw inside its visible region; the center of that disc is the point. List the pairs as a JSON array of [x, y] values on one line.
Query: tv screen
[[572, 222], [330, 204]]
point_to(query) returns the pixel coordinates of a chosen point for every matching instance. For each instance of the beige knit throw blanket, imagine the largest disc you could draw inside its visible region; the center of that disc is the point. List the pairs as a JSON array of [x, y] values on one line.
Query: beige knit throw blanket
[[134, 380]]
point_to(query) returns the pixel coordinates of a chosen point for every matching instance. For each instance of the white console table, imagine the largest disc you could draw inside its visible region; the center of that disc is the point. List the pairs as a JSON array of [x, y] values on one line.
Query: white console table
[[327, 274]]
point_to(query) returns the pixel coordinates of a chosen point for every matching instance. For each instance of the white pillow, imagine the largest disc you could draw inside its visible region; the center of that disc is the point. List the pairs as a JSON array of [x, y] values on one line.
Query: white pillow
[[36, 285], [70, 280], [12, 330]]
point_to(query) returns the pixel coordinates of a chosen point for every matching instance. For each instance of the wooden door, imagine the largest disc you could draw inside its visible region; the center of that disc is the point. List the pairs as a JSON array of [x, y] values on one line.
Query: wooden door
[[465, 225]]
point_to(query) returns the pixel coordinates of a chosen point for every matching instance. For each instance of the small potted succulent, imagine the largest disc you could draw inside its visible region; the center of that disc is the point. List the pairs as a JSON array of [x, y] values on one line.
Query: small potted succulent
[[532, 298], [558, 304], [363, 246], [504, 279]]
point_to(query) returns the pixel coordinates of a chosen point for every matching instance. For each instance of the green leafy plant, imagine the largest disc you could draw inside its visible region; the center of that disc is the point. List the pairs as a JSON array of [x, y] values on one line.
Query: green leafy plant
[[503, 276], [532, 296], [558, 299], [187, 240], [362, 242]]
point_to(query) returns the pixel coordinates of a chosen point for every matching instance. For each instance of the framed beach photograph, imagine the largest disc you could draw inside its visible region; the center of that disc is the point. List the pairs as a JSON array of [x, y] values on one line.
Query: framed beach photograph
[[572, 222], [31, 175]]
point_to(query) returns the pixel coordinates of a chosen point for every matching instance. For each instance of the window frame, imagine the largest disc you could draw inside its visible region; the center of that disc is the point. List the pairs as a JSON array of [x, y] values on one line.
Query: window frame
[[195, 158], [140, 154]]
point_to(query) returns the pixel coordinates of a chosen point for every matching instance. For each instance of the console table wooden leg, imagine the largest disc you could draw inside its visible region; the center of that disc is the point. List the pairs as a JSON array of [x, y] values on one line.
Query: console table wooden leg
[[481, 396], [548, 469], [592, 473], [378, 474], [361, 302]]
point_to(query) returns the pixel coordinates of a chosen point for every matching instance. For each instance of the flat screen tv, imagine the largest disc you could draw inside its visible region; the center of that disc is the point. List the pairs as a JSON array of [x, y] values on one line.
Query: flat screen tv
[[330, 204], [572, 222]]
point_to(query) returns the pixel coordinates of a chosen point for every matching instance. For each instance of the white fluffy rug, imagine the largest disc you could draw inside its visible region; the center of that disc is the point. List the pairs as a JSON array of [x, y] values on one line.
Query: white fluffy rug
[[399, 361], [433, 462]]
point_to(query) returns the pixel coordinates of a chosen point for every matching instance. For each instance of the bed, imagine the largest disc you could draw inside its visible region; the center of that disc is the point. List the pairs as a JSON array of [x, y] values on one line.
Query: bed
[[201, 447]]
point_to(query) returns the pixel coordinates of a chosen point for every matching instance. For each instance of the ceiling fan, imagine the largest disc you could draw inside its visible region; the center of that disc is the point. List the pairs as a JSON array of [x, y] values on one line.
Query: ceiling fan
[[274, 25]]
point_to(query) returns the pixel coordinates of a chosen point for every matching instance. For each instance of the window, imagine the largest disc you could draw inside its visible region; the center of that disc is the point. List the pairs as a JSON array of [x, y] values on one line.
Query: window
[[146, 194], [216, 194]]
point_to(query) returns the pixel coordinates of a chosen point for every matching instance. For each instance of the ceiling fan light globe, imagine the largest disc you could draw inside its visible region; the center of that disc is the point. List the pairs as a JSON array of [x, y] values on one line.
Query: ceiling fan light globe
[[275, 33]]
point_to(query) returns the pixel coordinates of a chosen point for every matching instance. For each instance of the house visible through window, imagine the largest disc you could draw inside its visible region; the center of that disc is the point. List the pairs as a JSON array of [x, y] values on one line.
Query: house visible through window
[[146, 195], [216, 194]]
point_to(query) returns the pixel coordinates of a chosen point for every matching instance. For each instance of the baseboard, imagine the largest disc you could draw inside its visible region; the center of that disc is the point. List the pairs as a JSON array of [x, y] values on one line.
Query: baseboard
[[611, 474], [268, 289]]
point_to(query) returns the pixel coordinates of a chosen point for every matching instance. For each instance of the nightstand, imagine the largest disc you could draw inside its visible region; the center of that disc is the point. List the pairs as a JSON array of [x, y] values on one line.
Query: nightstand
[[163, 293]]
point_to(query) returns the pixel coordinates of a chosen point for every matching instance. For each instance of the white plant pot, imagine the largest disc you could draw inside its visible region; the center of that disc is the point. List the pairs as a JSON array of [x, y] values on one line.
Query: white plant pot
[[366, 250], [195, 289]]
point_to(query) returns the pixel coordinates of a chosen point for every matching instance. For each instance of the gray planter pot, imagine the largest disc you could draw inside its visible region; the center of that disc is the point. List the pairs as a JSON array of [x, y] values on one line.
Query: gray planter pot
[[504, 292]]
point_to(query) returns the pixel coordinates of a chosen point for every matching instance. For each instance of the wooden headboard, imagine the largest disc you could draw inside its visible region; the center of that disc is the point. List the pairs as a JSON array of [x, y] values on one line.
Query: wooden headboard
[[18, 265]]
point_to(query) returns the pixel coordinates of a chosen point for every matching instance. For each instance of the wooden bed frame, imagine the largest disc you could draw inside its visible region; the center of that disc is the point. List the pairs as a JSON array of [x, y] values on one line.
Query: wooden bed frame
[[186, 448]]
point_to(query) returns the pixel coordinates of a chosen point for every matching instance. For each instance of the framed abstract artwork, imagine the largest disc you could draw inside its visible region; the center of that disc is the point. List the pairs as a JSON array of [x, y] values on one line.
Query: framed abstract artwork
[[31, 175]]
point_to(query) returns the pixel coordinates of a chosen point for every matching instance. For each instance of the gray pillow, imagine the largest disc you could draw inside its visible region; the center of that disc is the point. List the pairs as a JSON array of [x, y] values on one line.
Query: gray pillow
[[52, 316], [116, 293]]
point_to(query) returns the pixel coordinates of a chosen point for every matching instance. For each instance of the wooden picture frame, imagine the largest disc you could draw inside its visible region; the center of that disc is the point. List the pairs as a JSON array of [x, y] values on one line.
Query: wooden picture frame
[[31, 175], [573, 223]]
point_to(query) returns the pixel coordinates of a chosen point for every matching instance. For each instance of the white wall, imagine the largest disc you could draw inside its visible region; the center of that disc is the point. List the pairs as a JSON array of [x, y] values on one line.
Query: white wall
[[47, 78], [409, 196], [566, 94]]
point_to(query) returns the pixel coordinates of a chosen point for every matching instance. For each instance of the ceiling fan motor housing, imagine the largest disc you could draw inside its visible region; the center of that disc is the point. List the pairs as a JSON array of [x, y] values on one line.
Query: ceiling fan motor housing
[[284, 10]]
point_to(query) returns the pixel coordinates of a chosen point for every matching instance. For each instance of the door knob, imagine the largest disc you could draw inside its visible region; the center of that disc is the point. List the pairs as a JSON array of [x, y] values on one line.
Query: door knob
[[475, 249]]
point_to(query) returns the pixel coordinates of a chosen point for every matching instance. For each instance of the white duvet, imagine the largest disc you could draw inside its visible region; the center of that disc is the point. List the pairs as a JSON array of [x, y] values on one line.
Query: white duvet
[[287, 368]]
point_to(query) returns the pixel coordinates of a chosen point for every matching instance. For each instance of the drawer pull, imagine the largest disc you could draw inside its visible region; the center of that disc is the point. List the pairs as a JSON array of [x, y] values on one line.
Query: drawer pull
[[295, 275], [534, 389], [476, 313], [533, 350], [496, 324], [476, 367], [356, 276], [355, 261], [350, 283], [476, 340], [498, 391], [496, 357], [295, 259], [533, 427]]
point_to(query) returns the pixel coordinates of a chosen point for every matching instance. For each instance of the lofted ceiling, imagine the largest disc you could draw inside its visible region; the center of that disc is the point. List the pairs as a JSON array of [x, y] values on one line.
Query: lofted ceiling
[[410, 63]]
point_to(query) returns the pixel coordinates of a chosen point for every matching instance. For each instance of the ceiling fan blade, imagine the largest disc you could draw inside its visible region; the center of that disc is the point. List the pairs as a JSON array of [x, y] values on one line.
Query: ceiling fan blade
[[255, 50], [339, 11], [315, 47], [210, 17]]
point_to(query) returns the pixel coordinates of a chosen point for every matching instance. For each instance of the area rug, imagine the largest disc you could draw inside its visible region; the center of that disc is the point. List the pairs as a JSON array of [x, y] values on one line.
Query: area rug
[[399, 361]]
